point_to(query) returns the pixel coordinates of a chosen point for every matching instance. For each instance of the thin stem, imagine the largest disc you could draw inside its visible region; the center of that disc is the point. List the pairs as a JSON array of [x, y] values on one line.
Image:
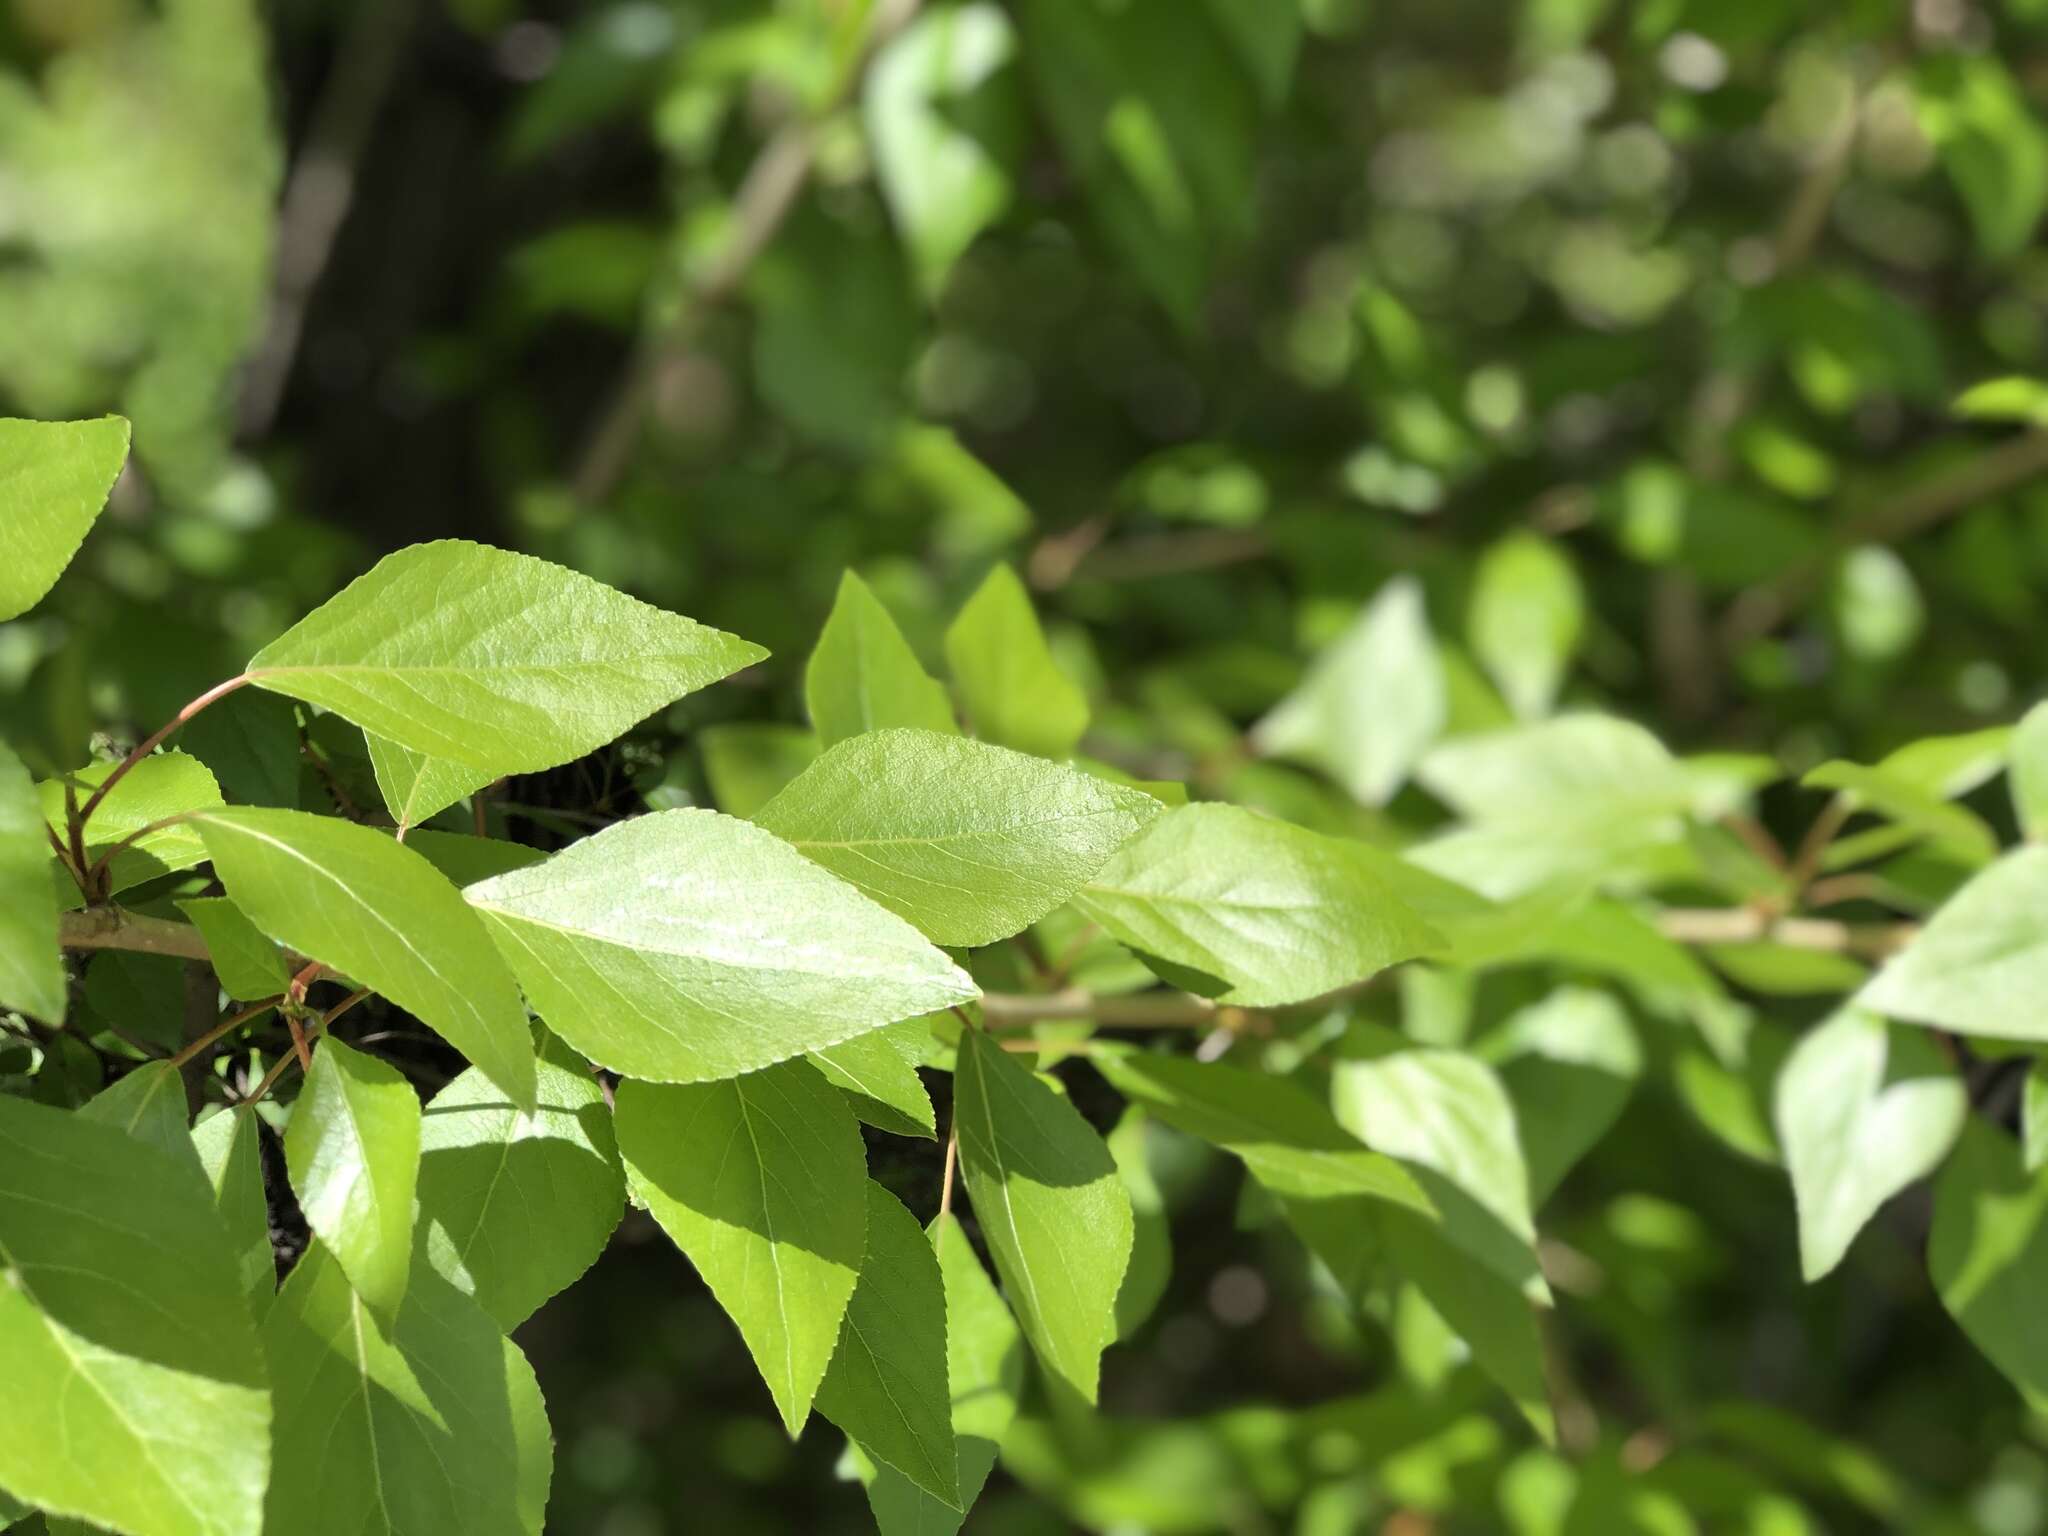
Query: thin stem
[[96, 875], [946, 1179], [1814, 846], [232, 1022], [300, 1047], [148, 745], [1747, 925], [277, 1070], [1150, 1010], [74, 821]]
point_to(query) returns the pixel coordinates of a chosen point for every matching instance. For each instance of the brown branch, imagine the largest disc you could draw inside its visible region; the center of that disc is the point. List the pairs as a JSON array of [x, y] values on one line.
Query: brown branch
[[1147, 1010], [1746, 925], [117, 928]]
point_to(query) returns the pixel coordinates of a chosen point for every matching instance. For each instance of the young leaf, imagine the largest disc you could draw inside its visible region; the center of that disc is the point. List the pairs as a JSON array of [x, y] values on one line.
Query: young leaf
[[353, 1149], [1863, 1109], [1527, 614], [1276, 913], [31, 965], [431, 1423], [761, 1180], [1988, 1254], [1445, 1114], [227, 1144], [1053, 1211], [371, 908], [734, 951], [514, 1206], [1371, 704], [969, 842], [877, 1072], [415, 786], [1981, 964], [863, 676], [165, 784], [886, 1386], [148, 1104], [985, 1372], [1901, 801], [54, 478], [247, 965], [491, 660], [135, 1393], [1014, 692]]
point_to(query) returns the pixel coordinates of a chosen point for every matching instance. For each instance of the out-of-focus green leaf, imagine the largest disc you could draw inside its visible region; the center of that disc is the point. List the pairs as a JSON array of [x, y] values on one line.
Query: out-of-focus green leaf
[[1991, 144], [1981, 964], [1988, 1254], [31, 965], [747, 763], [1569, 1063], [1014, 692], [1371, 704], [1526, 619], [54, 478], [863, 676]]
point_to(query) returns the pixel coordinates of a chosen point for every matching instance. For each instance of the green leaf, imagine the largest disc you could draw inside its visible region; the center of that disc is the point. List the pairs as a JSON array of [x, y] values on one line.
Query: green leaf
[[1863, 1109], [877, 1072], [761, 1180], [942, 128], [985, 1372], [1577, 797], [1151, 1266], [164, 784], [1276, 913], [1052, 1209], [229, 1151], [2029, 773], [1569, 1063], [353, 1149], [969, 842], [1899, 800], [747, 762], [142, 995], [247, 965], [1267, 39], [373, 909], [148, 1104], [31, 965], [415, 786], [2013, 397], [54, 478], [1014, 692], [432, 1423], [1286, 1139], [1372, 703], [1526, 620], [495, 661], [135, 1392], [863, 675], [1447, 1116], [513, 1206], [886, 1386], [1980, 966], [1988, 1254], [735, 951], [1991, 145], [2034, 1118]]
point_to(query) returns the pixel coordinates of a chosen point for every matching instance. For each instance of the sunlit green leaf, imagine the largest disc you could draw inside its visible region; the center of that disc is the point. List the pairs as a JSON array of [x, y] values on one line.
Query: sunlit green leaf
[[54, 478], [1013, 691]]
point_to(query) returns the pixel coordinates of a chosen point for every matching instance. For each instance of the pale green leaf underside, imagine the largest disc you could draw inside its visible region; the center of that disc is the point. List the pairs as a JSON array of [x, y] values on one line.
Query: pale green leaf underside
[[493, 660], [969, 842], [512, 1206], [686, 946], [54, 478], [886, 1386], [1276, 913], [353, 1149], [761, 1181], [135, 1394], [1981, 963], [1052, 1209], [428, 1425], [373, 909]]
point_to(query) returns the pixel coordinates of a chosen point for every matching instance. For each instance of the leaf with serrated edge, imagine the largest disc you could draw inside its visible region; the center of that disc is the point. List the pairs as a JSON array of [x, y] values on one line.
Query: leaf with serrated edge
[[1054, 1212], [135, 1394], [863, 675], [415, 786], [54, 478], [163, 785], [687, 946], [886, 1386], [497, 661], [970, 842], [761, 1181], [372, 908], [1015, 693], [1279, 913], [353, 1149], [427, 1425], [513, 1207], [227, 1144]]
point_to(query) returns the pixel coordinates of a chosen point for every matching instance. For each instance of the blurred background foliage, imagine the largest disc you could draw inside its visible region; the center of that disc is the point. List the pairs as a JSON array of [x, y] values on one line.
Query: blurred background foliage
[[1681, 352]]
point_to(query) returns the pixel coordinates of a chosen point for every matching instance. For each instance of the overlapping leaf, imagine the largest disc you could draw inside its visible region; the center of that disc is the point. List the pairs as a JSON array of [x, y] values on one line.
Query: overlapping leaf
[[31, 967], [863, 675], [354, 1153]]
